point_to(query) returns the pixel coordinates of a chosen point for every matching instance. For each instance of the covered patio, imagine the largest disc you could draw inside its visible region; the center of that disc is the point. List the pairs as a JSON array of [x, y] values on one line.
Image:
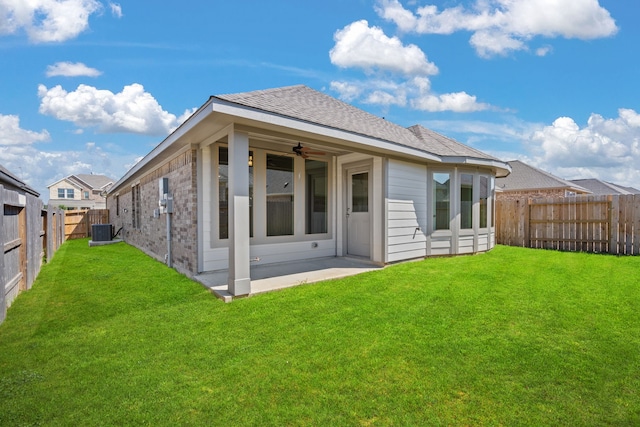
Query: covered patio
[[271, 277]]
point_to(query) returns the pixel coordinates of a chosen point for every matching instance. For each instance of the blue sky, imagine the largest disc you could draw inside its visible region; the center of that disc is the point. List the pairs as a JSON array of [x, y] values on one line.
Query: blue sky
[[92, 86]]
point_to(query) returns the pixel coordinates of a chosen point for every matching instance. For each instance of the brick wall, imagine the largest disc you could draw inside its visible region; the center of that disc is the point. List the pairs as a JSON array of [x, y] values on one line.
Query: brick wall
[[151, 234], [529, 194]]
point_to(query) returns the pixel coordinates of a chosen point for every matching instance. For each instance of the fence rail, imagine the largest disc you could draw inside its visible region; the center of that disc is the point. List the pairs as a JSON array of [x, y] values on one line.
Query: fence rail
[[608, 224]]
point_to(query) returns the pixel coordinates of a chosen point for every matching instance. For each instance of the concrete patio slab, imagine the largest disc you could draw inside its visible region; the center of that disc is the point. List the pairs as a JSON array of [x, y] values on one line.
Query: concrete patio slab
[[271, 277]]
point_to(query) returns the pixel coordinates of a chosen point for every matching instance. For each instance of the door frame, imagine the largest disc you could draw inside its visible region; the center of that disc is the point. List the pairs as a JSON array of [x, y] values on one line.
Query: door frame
[[348, 170]]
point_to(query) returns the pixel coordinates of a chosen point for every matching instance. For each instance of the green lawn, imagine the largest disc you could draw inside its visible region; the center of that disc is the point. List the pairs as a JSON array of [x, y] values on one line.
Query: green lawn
[[108, 336]]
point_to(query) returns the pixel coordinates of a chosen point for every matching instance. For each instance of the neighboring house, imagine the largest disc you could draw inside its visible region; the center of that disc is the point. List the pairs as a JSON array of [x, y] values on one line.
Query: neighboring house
[[82, 191], [293, 174], [602, 188], [533, 183]]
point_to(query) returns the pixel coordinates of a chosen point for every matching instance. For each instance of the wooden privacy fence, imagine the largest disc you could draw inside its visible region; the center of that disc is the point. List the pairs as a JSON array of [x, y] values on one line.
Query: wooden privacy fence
[[29, 234], [608, 224], [78, 222]]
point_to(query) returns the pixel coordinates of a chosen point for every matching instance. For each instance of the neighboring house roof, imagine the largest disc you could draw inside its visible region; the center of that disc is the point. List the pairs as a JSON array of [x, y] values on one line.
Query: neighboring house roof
[[89, 181], [303, 103], [9, 179], [524, 177], [631, 190], [95, 181], [304, 111], [599, 187]]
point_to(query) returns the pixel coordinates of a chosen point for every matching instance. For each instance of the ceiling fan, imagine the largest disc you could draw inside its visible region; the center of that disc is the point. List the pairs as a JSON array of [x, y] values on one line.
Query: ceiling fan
[[305, 152]]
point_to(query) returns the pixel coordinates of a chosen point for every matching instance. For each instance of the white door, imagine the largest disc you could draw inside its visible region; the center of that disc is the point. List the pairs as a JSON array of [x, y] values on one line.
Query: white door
[[358, 214]]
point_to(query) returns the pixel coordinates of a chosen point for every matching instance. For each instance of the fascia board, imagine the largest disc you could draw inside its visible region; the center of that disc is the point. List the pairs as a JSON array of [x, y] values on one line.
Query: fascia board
[[232, 109], [503, 168], [60, 180], [67, 180]]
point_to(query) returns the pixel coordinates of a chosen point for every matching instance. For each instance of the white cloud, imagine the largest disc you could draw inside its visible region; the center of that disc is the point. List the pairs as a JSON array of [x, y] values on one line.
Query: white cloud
[[606, 148], [348, 91], [368, 48], [47, 20], [12, 134], [603, 143], [415, 93], [360, 46], [460, 102], [39, 168], [116, 9], [543, 51], [132, 110], [490, 43], [71, 69], [503, 26]]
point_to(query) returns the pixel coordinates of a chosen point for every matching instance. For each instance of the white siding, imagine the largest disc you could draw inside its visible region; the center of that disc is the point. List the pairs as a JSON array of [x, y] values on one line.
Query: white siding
[[440, 244], [406, 211], [465, 244]]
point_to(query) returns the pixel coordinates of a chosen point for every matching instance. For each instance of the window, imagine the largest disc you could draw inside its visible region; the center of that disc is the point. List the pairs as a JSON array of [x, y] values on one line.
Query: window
[[61, 193], [466, 201], [70, 194], [442, 201], [279, 195], [135, 206], [86, 194], [484, 199], [117, 205], [360, 192], [223, 193], [316, 196]]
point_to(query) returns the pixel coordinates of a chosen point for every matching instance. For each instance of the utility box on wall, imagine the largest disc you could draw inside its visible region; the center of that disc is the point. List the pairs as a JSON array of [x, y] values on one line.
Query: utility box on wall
[[101, 232], [163, 186]]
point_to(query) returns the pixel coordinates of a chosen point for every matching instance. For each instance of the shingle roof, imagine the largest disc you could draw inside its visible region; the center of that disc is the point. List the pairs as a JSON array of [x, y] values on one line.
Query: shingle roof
[[94, 181], [525, 177], [303, 103], [599, 187], [631, 190], [445, 146]]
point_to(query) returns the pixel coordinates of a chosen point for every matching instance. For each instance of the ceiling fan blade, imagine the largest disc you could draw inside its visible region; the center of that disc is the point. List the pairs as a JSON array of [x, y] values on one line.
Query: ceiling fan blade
[[307, 150]]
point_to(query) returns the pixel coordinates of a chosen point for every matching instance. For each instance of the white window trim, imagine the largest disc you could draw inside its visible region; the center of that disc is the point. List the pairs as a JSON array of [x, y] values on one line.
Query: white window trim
[[260, 199]]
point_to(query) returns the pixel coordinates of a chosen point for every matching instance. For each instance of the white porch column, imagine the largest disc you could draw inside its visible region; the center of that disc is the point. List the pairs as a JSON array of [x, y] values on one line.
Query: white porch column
[[239, 272]]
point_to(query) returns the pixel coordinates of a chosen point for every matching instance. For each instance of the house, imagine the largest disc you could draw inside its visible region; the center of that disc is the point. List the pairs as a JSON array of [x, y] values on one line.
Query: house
[[527, 181], [292, 174], [81, 191], [602, 188]]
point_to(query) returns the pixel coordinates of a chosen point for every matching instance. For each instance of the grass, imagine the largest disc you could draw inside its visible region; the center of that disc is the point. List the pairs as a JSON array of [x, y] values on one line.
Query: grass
[[108, 336]]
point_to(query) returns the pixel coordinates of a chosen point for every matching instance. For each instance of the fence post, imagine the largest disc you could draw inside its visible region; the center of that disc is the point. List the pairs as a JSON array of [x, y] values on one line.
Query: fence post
[[614, 219], [50, 235], [527, 222]]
